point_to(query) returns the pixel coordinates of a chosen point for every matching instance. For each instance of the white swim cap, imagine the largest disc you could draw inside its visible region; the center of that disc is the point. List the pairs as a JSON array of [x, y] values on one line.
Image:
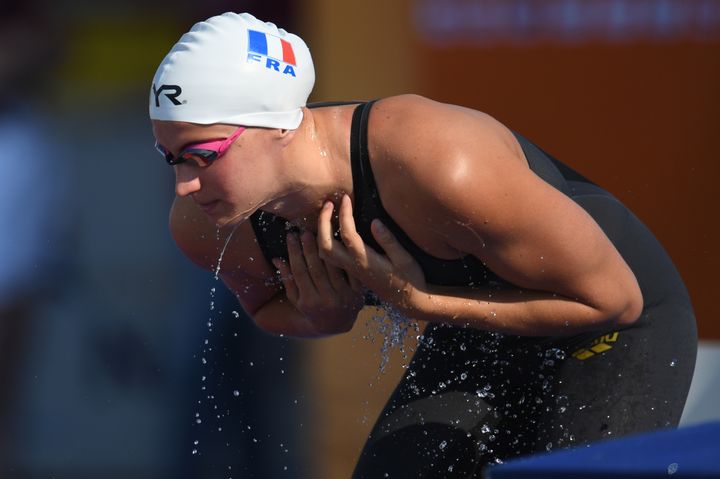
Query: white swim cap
[[235, 69]]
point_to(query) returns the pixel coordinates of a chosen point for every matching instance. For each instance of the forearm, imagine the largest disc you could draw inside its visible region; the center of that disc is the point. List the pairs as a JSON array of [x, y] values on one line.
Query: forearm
[[279, 316], [512, 311]]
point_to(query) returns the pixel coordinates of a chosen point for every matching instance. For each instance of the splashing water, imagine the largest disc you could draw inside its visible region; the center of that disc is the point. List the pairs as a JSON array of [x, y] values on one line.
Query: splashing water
[[209, 398], [222, 252], [393, 327]]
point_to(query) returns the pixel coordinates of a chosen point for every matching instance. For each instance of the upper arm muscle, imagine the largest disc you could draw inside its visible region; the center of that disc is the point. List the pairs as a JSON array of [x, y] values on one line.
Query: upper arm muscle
[[470, 184]]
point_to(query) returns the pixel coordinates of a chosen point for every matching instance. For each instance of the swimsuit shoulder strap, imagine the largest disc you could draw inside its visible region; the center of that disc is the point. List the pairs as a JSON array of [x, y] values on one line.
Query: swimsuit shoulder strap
[[366, 198], [368, 204], [271, 230]]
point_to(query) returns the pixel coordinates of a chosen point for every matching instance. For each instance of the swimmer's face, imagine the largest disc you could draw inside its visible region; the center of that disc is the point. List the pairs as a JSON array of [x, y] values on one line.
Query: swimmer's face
[[230, 188]]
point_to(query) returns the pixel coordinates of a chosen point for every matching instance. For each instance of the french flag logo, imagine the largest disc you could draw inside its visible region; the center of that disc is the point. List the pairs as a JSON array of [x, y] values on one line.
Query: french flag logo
[[270, 46]]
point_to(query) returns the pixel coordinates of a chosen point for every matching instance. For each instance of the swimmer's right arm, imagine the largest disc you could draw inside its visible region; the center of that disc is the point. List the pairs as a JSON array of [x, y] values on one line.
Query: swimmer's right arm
[[279, 316], [272, 311], [254, 283]]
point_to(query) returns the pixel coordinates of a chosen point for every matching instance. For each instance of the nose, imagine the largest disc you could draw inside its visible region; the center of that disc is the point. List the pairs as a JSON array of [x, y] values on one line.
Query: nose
[[187, 181]]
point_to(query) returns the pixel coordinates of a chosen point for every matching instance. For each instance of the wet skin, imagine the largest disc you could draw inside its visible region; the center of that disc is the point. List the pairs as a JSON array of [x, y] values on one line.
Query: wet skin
[[455, 180]]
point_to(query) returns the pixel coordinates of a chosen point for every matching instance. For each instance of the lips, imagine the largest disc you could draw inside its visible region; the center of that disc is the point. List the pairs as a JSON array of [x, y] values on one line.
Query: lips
[[208, 207]]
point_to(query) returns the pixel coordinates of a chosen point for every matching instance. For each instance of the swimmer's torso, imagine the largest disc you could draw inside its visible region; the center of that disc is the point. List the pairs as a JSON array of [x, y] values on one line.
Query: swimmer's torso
[[383, 188], [454, 269], [449, 269]]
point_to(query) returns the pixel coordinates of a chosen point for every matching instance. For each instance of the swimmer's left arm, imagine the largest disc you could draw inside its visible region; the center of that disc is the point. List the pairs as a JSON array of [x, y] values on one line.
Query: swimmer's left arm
[[569, 277], [560, 291]]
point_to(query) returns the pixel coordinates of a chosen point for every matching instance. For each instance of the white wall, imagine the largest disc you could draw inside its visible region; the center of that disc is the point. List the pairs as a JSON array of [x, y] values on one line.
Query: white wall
[[703, 403]]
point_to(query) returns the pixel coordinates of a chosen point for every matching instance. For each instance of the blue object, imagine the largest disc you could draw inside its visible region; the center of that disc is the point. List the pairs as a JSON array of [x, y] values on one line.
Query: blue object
[[689, 452]]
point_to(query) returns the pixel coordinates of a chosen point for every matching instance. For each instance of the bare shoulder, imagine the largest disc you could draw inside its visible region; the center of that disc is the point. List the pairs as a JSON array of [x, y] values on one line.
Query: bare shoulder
[[425, 154], [434, 142], [415, 113]]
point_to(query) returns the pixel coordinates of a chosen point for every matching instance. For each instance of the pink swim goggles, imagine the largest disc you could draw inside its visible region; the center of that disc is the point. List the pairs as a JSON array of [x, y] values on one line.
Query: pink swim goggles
[[201, 153]]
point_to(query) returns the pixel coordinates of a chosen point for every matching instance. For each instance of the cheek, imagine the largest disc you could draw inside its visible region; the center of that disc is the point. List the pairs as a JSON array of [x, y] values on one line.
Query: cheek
[[238, 186]]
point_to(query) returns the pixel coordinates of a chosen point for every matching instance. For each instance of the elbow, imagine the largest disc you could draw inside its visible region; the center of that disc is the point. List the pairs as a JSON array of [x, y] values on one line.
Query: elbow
[[328, 327], [297, 325], [299, 331], [628, 307]]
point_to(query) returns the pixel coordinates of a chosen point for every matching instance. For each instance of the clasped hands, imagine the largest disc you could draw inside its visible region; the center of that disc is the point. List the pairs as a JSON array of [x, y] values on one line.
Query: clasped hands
[[325, 278]]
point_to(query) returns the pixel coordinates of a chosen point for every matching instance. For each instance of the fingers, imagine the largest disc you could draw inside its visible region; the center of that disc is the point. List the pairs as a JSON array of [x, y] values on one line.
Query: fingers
[[337, 277], [316, 269], [298, 265], [305, 273], [286, 277], [352, 240], [355, 284], [395, 252], [331, 250], [325, 234], [328, 278]]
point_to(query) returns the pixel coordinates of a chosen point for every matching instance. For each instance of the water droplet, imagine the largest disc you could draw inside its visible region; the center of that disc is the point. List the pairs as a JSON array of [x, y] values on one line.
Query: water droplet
[[391, 326], [672, 468], [222, 253], [556, 353], [673, 363], [236, 314], [443, 445], [194, 451], [236, 393]]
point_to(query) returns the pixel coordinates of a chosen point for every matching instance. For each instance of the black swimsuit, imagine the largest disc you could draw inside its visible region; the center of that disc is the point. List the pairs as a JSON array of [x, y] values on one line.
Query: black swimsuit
[[470, 397]]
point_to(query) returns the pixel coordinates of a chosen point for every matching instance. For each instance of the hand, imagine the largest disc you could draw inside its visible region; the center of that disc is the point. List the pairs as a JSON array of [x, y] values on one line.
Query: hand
[[322, 292], [396, 278]]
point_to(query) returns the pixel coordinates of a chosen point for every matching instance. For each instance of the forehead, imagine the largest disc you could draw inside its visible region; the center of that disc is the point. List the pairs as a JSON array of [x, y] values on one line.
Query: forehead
[[175, 134]]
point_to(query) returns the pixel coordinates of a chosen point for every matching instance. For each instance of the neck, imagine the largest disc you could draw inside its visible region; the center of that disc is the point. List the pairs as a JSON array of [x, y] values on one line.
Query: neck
[[316, 166]]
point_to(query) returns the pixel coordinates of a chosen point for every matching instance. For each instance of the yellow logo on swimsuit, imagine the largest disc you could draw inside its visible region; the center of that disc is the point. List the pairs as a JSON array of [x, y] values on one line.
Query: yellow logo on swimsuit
[[599, 345]]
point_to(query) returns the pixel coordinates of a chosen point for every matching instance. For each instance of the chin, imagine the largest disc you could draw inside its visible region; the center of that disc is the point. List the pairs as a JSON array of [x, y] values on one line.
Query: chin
[[229, 221]]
